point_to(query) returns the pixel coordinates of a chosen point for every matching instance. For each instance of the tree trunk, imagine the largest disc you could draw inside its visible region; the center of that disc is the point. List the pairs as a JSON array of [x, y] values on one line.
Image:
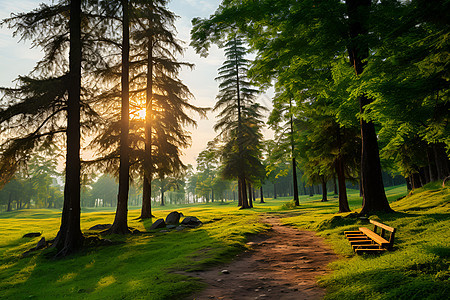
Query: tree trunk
[[374, 197], [415, 181], [441, 160], [243, 192], [9, 202], [408, 183], [162, 195], [120, 225], [324, 189], [262, 195], [431, 165], [69, 238], [335, 188], [343, 202], [250, 195], [146, 211], [274, 190]]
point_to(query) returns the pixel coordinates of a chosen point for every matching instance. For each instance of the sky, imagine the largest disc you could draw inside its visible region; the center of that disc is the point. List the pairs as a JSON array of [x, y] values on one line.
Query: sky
[[18, 58]]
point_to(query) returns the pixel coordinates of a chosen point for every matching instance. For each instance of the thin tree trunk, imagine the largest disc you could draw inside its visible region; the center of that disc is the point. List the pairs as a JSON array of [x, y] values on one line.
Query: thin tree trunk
[[274, 190], [324, 189], [335, 188], [262, 194], [431, 165], [162, 194], [374, 197], [441, 160], [294, 164], [69, 238], [343, 201], [9, 202], [250, 195], [120, 225], [146, 211]]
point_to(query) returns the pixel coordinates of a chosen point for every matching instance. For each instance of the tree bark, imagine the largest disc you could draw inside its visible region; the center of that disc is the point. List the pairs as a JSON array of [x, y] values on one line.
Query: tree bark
[[335, 188], [441, 160], [250, 195], [374, 197], [146, 211], [120, 225], [324, 189], [243, 193], [162, 194], [343, 201], [274, 190], [69, 238], [9, 202], [262, 195]]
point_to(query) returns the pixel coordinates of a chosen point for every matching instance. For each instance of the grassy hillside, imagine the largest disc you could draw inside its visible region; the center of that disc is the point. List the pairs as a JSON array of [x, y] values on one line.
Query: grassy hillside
[[418, 268]]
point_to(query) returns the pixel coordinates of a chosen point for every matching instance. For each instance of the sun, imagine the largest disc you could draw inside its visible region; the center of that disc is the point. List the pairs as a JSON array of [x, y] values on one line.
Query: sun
[[138, 114]]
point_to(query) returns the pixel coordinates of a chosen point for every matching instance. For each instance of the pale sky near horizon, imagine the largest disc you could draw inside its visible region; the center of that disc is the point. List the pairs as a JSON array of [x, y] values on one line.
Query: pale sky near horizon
[[16, 58]]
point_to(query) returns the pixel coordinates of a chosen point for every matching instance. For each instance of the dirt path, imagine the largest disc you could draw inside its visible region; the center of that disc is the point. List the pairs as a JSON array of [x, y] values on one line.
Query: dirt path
[[283, 265]]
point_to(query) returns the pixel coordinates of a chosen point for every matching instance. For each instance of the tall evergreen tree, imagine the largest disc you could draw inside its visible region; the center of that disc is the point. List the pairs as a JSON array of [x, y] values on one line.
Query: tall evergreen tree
[[240, 120], [53, 89], [120, 224]]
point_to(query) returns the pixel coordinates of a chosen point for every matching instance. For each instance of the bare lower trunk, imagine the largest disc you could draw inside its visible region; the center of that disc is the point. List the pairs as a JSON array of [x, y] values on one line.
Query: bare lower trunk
[[120, 224], [262, 195], [343, 201], [243, 192], [146, 211], [324, 190]]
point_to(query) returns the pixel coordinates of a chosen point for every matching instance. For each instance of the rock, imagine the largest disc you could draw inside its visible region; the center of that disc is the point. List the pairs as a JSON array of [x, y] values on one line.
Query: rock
[[171, 226], [158, 224], [41, 244], [191, 222], [164, 230], [179, 228], [173, 218], [32, 234], [225, 272], [100, 227]]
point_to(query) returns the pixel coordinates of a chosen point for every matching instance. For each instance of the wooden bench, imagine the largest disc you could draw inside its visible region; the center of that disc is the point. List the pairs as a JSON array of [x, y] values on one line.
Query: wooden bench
[[366, 240]]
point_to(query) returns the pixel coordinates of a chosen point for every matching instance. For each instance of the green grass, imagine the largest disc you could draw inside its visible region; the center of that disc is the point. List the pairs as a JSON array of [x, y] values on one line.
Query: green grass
[[144, 267], [418, 268], [150, 265]]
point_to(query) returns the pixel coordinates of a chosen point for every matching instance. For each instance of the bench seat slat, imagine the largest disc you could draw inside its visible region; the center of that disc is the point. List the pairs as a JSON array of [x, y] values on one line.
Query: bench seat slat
[[375, 237]]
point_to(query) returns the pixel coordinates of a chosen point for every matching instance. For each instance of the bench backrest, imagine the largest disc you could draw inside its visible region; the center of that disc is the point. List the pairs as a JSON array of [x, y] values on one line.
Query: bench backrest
[[383, 229]]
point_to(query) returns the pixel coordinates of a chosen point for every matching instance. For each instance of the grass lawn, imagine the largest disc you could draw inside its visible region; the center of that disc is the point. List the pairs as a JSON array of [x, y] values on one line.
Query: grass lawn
[[145, 265]]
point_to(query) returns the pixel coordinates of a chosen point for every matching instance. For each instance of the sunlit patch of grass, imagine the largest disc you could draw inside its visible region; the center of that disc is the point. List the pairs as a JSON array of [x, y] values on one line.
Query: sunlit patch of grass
[[105, 281], [67, 277]]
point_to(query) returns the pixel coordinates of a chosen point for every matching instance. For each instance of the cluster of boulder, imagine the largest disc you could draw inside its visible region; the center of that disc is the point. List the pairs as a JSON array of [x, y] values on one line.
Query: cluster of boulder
[[173, 222]]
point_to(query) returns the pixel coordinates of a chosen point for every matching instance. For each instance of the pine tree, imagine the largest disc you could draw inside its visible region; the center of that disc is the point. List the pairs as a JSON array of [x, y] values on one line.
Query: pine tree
[[240, 120], [53, 89]]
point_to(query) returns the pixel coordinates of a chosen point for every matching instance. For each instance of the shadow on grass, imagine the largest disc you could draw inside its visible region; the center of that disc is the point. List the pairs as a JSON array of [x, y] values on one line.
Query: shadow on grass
[[388, 283]]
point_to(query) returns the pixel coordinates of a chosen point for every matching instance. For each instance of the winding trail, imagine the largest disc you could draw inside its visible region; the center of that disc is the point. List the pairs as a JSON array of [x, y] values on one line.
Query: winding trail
[[283, 264]]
